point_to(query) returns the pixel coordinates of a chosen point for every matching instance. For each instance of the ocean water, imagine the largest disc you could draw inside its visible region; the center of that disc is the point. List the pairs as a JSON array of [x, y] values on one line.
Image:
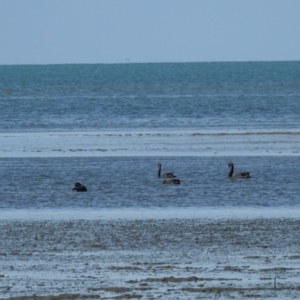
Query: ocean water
[[108, 126]]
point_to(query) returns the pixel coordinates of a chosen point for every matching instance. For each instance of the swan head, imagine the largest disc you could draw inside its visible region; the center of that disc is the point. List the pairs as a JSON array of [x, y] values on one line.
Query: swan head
[[159, 165], [230, 165]]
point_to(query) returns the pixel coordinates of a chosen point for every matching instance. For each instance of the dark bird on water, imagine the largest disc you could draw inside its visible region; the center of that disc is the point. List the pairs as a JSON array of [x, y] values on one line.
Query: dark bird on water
[[79, 187], [166, 175], [238, 175], [171, 181]]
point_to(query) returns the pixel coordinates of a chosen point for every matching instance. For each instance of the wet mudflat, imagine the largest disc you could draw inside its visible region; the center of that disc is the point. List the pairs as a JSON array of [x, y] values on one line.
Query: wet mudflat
[[150, 259]]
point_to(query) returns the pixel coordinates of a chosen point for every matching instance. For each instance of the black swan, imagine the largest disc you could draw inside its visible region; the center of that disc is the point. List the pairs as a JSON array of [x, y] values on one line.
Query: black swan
[[166, 175], [238, 175], [171, 181], [79, 187]]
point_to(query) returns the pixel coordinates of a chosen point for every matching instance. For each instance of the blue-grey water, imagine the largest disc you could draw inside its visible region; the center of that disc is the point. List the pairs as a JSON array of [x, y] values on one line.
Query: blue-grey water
[[260, 97], [129, 182]]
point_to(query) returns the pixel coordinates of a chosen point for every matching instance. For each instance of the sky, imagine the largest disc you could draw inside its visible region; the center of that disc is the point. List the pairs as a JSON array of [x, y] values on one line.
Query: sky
[[137, 31]]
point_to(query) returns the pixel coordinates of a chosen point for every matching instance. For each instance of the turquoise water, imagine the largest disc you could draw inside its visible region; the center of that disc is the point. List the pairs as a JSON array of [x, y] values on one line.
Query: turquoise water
[[252, 109], [146, 96]]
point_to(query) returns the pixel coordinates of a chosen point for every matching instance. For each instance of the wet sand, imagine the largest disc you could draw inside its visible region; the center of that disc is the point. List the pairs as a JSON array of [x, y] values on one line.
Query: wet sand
[[150, 259]]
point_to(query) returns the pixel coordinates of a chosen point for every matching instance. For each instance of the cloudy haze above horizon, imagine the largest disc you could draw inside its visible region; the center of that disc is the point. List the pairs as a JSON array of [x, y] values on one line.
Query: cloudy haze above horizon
[[119, 31]]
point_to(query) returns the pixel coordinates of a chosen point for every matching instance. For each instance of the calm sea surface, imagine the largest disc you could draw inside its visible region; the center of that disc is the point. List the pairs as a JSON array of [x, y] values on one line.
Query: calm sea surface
[[192, 117]]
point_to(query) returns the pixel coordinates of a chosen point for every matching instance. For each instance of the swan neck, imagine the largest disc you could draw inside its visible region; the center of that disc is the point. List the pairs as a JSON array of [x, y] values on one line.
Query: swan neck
[[159, 170], [231, 171]]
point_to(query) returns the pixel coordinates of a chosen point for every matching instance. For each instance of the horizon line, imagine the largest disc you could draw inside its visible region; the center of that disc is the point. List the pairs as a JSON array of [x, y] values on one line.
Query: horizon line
[[162, 62]]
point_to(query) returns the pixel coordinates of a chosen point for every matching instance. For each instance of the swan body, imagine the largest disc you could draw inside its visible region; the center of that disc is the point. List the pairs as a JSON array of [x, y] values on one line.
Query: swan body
[[166, 175], [171, 181], [79, 187], [238, 175]]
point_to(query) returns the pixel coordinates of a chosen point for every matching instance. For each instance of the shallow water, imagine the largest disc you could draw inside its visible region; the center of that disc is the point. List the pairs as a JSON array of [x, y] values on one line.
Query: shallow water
[[107, 126], [132, 183]]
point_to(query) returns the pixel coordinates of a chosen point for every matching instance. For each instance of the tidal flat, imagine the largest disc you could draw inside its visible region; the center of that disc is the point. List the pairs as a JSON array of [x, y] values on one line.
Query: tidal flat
[[150, 259]]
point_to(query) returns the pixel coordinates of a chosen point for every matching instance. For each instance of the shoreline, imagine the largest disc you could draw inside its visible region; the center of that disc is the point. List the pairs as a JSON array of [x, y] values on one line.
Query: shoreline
[[150, 258]]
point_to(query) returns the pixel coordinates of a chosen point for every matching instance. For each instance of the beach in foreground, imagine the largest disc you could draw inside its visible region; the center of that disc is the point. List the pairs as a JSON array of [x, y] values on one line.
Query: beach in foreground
[[150, 259]]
